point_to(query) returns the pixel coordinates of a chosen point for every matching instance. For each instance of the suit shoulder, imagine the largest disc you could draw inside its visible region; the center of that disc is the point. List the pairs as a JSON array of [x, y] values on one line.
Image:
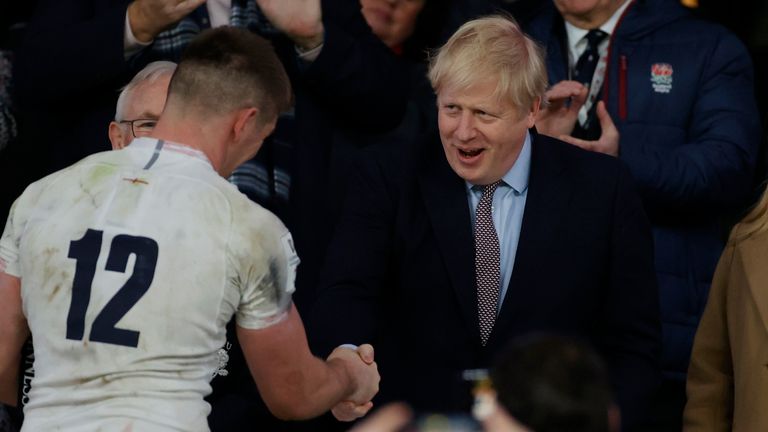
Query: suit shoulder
[[576, 158]]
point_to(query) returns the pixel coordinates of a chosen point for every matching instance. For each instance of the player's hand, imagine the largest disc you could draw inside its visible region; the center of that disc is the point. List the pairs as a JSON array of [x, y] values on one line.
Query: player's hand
[[558, 116], [300, 20], [148, 18], [608, 142], [361, 367], [348, 411], [391, 417]]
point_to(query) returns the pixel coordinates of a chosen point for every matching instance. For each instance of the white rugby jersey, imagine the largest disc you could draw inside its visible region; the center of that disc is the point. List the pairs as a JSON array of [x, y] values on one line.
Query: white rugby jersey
[[131, 264]]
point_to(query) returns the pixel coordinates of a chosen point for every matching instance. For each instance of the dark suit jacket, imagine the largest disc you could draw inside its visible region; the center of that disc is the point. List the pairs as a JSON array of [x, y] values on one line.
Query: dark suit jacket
[[400, 272]]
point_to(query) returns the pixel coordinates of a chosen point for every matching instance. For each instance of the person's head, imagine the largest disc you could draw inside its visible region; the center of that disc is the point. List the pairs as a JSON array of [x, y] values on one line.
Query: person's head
[[393, 21], [553, 383], [140, 103], [489, 79], [587, 14], [233, 77]]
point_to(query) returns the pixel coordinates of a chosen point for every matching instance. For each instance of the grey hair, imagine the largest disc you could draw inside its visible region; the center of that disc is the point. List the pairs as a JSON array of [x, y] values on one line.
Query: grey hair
[[151, 73]]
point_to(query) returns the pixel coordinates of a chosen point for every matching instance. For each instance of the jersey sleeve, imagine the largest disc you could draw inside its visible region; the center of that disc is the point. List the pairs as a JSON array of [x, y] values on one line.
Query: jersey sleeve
[[267, 274], [9, 244]]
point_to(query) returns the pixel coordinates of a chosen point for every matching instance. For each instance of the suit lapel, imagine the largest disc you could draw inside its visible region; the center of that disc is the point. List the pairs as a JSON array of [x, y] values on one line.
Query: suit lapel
[[545, 207], [753, 253], [447, 207]]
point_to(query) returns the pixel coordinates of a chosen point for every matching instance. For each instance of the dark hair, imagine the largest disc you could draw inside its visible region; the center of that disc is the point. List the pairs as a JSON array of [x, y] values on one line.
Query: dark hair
[[552, 383], [228, 68]]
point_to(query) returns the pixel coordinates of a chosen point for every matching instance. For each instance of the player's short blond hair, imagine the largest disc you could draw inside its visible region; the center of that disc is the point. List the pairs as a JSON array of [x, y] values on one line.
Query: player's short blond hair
[[229, 68], [492, 47]]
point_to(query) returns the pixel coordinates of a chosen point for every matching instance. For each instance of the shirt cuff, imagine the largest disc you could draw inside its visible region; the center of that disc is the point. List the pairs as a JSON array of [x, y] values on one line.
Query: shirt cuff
[[309, 55]]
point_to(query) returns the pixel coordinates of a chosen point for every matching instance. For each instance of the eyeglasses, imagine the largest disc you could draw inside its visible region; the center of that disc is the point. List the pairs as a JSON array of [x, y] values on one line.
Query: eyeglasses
[[140, 127]]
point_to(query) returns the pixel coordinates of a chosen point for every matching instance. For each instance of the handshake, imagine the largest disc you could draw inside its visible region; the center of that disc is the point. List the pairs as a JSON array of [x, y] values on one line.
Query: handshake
[[363, 375]]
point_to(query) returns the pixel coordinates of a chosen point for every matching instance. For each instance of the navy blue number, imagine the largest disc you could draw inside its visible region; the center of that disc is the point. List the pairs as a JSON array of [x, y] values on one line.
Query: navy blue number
[[86, 252]]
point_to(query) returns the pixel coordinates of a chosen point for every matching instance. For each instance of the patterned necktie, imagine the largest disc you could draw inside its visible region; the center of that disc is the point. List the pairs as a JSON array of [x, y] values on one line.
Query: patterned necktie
[[487, 267], [585, 66], [583, 72]]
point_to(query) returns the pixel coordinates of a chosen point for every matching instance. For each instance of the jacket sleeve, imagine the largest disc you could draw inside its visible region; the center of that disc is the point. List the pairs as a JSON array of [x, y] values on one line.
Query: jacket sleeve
[[357, 265], [356, 77], [710, 374], [710, 159], [632, 329], [71, 47]]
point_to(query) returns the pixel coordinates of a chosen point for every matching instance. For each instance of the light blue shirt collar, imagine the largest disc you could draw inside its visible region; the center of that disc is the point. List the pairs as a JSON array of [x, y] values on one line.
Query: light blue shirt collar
[[517, 176]]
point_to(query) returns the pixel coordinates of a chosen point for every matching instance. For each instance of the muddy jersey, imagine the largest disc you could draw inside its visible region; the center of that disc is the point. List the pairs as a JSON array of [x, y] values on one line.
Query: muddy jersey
[[131, 264]]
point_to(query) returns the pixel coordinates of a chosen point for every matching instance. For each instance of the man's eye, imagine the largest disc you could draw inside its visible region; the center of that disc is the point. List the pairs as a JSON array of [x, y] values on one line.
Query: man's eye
[[146, 124], [484, 115]]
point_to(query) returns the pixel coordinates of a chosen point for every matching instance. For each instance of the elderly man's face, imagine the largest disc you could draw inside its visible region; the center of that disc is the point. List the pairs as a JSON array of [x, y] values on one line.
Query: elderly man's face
[[481, 136], [144, 103], [393, 21]]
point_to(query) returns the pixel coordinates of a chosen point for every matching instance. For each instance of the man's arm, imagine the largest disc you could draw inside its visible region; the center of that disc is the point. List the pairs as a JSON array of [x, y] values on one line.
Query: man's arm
[[713, 162], [710, 374], [296, 385], [13, 332], [356, 79], [631, 332]]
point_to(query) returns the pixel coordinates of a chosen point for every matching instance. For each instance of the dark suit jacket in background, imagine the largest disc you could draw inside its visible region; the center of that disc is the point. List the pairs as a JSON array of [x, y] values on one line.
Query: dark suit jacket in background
[[400, 272]]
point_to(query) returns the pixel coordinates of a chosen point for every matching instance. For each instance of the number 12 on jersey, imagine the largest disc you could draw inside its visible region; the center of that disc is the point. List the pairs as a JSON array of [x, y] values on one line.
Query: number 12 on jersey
[[86, 252]]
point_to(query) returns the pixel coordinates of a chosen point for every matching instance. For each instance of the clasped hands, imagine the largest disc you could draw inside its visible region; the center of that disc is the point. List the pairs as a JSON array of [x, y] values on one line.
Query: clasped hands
[[558, 117], [365, 374]]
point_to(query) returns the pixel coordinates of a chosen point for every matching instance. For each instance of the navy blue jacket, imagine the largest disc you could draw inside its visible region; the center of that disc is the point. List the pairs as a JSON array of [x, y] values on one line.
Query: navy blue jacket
[[680, 91]]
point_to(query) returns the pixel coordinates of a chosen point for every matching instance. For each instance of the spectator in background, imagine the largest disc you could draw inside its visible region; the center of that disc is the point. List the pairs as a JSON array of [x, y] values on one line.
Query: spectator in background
[[672, 97], [727, 382], [140, 103], [551, 383], [405, 271]]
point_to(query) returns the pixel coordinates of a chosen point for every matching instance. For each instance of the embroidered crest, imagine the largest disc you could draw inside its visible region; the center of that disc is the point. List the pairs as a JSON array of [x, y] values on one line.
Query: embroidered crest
[[661, 77], [223, 359]]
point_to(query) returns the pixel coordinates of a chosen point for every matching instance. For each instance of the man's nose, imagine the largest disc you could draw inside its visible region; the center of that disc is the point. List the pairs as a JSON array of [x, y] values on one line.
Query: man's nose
[[466, 129]]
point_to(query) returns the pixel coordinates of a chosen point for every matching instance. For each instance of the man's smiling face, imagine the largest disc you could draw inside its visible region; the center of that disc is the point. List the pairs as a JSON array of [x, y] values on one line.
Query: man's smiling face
[[482, 135]]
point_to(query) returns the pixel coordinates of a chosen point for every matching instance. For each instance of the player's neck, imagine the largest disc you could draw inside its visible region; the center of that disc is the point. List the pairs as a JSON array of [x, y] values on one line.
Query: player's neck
[[208, 136]]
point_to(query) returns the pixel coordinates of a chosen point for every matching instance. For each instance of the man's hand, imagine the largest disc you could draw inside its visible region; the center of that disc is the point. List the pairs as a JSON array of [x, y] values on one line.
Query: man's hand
[[150, 17], [364, 372], [559, 115], [300, 20], [608, 142], [392, 417]]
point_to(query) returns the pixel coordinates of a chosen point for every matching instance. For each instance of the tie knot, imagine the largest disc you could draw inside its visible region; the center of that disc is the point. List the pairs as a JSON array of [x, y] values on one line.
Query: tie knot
[[594, 37], [489, 189]]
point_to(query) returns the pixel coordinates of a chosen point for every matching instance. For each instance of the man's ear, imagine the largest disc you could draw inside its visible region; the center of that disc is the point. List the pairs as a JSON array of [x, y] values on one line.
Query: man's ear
[[116, 135], [531, 117], [245, 121]]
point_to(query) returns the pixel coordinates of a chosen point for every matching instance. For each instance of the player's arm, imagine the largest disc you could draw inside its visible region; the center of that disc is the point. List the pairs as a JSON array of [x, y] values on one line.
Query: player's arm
[[297, 385], [13, 332]]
